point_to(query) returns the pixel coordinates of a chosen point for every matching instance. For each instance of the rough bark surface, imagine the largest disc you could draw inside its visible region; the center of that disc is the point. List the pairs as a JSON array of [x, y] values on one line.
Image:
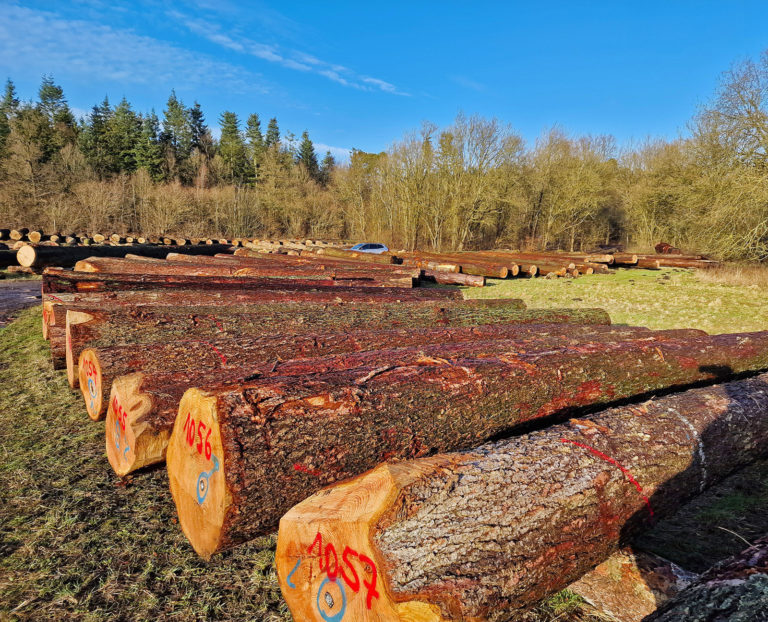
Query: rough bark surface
[[480, 534], [284, 439], [66, 257], [99, 327], [56, 281], [631, 584], [151, 397], [98, 368], [735, 590]]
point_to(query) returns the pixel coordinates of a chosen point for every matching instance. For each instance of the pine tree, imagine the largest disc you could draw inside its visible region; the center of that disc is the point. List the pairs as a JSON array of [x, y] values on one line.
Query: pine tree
[[55, 108], [273, 133], [93, 138], [306, 155], [232, 148], [326, 168], [177, 128], [122, 133], [9, 106], [148, 152], [201, 136]]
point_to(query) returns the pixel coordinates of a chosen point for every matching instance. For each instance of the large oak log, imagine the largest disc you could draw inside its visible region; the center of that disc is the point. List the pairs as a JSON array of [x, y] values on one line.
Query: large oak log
[[142, 406], [56, 280], [451, 278], [97, 328], [99, 367], [283, 439], [479, 534], [68, 256], [735, 589]]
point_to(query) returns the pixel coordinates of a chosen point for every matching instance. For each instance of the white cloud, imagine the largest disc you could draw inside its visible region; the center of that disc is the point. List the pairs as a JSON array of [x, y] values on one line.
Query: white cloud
[[45, 42], [291, 59], [340, 153]]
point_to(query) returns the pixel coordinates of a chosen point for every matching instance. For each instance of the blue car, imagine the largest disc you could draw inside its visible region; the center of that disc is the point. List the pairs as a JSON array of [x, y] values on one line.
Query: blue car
[[369, 248]]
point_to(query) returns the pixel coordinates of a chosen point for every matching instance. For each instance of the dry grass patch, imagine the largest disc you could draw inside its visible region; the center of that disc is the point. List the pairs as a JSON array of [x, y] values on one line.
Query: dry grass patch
[[737, 275]]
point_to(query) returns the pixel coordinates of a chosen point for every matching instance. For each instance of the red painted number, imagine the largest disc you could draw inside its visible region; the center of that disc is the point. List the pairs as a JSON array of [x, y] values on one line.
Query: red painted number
[[351, 578], [119, 412], [203, 446]]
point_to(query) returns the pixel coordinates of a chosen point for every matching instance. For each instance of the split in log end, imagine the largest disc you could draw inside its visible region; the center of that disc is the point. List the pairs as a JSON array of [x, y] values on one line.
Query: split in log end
[[195, 461], [89, 377], [131, 442], [328, 568]]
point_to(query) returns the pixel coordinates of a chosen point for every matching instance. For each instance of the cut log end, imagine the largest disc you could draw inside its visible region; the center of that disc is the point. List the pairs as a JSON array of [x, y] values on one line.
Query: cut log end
[[26, 256], [196, 472], [90, 381], [73, 317], [330, 569], [131, 442]]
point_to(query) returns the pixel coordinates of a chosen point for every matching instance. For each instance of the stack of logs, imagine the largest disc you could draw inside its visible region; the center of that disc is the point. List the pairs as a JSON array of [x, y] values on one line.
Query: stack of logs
[[432, 458]]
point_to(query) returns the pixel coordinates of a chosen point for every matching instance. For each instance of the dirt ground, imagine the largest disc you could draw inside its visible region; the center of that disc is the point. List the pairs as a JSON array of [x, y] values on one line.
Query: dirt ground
[[16, 295]]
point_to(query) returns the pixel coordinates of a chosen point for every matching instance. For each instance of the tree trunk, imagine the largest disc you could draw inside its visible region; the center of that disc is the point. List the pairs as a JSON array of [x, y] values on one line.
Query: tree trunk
[[56, 280], [357, 256], [68, 256], [479, 534], [284, 439], [735, 589], [99, 327], [145, 403], [451, 278]]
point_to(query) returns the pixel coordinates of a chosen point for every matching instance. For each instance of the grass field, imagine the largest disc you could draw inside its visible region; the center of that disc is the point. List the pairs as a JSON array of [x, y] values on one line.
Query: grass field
[[78, 543]]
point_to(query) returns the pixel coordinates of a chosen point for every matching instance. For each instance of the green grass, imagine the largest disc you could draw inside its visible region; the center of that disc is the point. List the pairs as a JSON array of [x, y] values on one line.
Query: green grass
[[654, 298]]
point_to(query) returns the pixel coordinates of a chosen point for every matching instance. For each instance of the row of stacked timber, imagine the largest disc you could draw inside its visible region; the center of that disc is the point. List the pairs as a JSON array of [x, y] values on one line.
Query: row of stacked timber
[[427, 457]]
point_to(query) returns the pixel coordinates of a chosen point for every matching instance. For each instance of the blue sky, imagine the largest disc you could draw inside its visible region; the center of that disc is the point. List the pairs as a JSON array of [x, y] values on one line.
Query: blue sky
[[361, 74]]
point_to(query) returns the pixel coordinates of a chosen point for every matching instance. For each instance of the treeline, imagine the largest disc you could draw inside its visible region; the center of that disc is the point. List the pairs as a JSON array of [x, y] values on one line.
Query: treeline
[[475, 184]]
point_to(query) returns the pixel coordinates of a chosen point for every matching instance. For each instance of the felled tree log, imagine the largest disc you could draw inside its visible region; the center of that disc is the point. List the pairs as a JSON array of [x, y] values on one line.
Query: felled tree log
[[735, 589], [18, 234], [479, 534], [150, 395], [142, 406], [631, 584], [358, 256], [56, 281], [285, 438], [99, 367], [66, 257], [452, 278], [648, 264], [101, 328]]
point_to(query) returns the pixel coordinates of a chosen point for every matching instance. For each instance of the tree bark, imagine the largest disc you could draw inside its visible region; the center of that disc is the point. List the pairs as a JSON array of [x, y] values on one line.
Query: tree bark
[[68, 256], [100, 327], [631, 584], [451, 278], [56, 281], [365, 257], [284, 439], [142, 405], [735, 589], [480, 534]]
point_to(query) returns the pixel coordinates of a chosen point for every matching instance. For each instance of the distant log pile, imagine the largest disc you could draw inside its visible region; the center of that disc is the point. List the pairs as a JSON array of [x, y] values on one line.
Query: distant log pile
[[390, 424]]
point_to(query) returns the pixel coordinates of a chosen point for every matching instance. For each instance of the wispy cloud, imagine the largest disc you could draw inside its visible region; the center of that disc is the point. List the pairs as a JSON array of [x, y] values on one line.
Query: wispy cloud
[[468, 83], [289, 58], [46, 42]]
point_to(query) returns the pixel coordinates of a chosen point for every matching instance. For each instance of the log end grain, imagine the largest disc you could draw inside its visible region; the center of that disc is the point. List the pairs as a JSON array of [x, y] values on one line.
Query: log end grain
[[196, 472], [73, 318], [131, 442], [90, 382], [326, 563], [26, 256]]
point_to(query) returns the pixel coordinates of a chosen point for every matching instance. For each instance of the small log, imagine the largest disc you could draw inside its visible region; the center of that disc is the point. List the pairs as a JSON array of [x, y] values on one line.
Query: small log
[[286, 438], [648, 264], [142, 406], [141, 240], [18, 234], [35, 236], [480, 534], [98, 328], [5, 234], [452, 278], [426, 264], [624, 259], [734, 589], [631, 584], [98, 238]]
